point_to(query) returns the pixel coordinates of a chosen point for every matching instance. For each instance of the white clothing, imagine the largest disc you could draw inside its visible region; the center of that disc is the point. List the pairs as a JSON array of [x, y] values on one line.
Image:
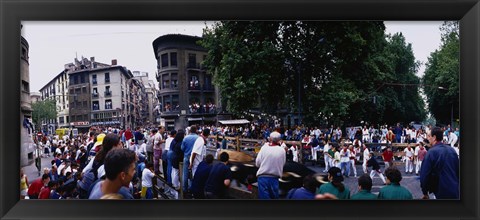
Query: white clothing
[[336, 159], [156, 141], [366, 157], [147, 176], [409, 159], [344, 156], [270, 160], [168, 142], [373, 172], [200, 149], [452, 139], [142, 149], [294, 153], [175, 178]]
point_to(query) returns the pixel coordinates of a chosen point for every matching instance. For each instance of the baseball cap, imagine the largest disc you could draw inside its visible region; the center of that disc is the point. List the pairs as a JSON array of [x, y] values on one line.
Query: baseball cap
[[99, 140]]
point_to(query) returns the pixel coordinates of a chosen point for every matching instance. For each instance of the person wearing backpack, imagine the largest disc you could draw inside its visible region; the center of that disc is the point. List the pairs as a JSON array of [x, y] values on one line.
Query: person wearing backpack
[[95, 170]]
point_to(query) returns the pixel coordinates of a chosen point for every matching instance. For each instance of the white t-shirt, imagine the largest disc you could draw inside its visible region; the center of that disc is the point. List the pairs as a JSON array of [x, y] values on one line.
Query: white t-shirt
[[200, 149], [409, 153], [142, 149], [147, 176], [344, 155], [366, 154], [156, 143], [326, 147], [168, 142]]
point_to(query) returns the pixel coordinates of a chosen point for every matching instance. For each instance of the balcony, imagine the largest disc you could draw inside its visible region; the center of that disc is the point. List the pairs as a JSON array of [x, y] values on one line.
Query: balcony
[[94, 95], [108, 93], [196, 66], [196, 108], [107, 80], [94, 81]]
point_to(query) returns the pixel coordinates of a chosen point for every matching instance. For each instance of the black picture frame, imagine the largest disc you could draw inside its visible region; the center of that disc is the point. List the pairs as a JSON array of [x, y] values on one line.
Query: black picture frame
[[13, 12]]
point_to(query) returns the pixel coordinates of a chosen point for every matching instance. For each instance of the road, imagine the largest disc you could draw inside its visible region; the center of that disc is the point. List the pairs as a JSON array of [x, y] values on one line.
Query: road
[[409, 181]]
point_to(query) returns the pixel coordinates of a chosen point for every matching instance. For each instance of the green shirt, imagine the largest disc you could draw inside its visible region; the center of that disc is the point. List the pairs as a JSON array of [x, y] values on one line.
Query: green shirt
[[364, 195], [331, 153], [394, 191], [330, 188]]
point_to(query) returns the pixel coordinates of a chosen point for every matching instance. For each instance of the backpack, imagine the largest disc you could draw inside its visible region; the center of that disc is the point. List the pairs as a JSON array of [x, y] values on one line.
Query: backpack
[[87, 181]]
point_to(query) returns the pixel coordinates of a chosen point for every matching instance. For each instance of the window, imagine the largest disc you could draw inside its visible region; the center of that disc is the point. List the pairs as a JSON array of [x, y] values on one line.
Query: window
[[108, 104], [85, 104], [25, 86], [71, 91], [166, 84], [82, 78], [68, 119], [95, 93], [107, 91], [173, 59], [107, 77], [84, 89], [61, 120], [78, 91], [94, 79], [95, 105], [164, 60], [75, 80], [192, 60]]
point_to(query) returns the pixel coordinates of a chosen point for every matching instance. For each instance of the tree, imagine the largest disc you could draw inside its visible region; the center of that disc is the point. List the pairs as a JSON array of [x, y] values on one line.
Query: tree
[[43, 111], [328, 72], [442, 71]]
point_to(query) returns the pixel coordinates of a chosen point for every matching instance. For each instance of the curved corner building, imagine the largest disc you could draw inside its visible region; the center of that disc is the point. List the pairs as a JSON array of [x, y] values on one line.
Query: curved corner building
[[186, 93]]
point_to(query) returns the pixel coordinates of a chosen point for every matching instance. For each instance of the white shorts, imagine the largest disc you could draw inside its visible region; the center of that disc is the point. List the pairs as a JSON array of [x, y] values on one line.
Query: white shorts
[[23, 192]]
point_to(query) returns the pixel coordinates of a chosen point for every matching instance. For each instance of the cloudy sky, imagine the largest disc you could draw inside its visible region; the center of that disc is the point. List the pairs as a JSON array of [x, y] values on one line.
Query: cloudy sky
[[53, 44]]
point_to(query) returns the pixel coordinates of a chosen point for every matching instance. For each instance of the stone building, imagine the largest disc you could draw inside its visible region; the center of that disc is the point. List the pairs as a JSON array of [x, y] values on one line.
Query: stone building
[[27, 130], [186, 93]]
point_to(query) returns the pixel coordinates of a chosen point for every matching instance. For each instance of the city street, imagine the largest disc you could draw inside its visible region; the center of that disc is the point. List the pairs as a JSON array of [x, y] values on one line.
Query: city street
[[32, 172]]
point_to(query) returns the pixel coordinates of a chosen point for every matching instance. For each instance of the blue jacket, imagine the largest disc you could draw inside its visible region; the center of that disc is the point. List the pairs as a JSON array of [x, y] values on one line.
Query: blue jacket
[[441, 161]]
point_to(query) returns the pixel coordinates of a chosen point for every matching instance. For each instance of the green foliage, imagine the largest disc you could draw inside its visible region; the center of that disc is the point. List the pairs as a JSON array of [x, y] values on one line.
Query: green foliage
[[442, 76], [43, 111], [329, 71]]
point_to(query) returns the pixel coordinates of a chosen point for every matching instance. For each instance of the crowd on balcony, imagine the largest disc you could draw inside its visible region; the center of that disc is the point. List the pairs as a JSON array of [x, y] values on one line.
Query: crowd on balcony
[[208, 108]]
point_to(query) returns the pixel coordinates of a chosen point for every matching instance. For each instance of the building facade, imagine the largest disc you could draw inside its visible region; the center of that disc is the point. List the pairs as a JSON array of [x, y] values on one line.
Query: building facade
[[27, 131], [186, 93], [98, 96], [151, 96]]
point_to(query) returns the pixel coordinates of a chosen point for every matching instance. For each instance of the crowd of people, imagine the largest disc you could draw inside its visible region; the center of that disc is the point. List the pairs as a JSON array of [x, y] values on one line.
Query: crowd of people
[[122, 163]]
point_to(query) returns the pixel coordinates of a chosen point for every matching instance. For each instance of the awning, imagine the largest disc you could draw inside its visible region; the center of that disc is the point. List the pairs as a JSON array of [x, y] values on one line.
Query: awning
[[234, 122], [195, 119]]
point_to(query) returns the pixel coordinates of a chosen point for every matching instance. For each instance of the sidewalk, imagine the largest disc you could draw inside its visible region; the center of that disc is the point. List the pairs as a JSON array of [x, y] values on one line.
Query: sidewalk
[[32, 172]]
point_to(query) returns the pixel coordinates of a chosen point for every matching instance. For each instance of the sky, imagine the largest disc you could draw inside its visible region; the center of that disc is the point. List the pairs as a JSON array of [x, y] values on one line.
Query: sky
[[52, 44]]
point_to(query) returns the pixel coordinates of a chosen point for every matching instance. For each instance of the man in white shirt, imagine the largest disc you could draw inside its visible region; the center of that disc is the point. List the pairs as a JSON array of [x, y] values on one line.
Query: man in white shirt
[[270, 161], [365, 134], [452, 138], [409, 154], [366, 157], [199, 151], [147, 176], [158, 146], [345, 160], [326, 158]]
